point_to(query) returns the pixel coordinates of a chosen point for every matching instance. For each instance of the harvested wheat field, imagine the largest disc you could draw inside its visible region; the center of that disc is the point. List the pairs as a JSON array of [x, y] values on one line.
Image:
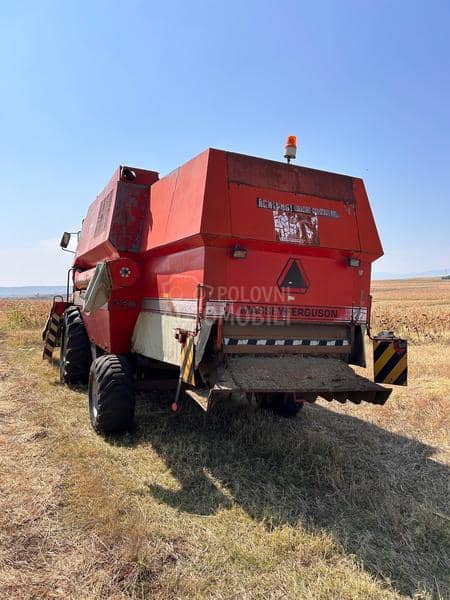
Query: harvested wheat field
[[346, 501]]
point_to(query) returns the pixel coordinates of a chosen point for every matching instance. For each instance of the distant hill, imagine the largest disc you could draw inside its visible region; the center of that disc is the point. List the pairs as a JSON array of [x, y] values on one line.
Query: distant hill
[[32, 291], [433, 273]]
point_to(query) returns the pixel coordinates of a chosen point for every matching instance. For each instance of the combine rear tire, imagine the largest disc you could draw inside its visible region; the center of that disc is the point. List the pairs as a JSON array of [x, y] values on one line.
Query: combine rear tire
[[111, 394], [76, 357], [284, 405]]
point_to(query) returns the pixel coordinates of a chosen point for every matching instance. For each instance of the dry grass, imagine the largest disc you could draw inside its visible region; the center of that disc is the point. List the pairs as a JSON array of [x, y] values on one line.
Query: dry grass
[[418, 309], [347, 502], [23, 314]]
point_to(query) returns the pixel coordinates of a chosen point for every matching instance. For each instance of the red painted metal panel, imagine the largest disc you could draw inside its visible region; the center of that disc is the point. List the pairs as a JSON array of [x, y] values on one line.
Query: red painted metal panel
[[177, 204], [294, 222], [270, 215], [111, 327], [130, 210], [367, 230], [216, 217], [273, 175], [176, 275], [114, 221]]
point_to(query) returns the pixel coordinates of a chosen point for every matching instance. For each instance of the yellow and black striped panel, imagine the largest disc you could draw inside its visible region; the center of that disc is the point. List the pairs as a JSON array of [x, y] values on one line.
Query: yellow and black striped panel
[[187, 361], [390, 361], [52, 336]]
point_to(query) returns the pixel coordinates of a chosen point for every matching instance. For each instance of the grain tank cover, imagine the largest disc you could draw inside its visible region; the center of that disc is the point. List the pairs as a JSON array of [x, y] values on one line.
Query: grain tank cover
[[115, 220], [236, 196]]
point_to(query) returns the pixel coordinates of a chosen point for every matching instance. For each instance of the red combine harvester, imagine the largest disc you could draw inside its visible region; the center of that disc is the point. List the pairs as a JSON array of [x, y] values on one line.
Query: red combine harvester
[[231, 275]]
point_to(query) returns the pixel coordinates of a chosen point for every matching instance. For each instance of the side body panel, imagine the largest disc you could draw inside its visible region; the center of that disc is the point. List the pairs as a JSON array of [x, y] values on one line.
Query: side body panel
[[112, 231]]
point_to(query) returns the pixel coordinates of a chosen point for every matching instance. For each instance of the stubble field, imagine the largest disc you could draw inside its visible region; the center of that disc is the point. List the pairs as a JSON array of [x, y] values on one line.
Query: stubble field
[[347, 502]]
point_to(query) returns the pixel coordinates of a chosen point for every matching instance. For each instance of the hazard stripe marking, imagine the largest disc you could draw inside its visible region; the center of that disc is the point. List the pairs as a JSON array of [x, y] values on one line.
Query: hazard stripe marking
[[384, 358], [390, 362], [379, 348], [282, 342], [386, 369], [53, 327], [402, 378], [396, 371], [187, 361], [52, 335]]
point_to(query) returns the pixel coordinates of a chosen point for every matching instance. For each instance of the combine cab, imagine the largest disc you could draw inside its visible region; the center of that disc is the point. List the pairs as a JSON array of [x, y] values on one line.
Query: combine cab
[[234, 274]]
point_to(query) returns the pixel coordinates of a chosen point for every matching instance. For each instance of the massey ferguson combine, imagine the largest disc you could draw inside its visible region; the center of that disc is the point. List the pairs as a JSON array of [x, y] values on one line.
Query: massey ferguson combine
[[232, 275]]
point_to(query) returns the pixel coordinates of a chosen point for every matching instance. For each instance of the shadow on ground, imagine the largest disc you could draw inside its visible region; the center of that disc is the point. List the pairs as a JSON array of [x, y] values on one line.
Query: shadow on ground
[[381, 495]]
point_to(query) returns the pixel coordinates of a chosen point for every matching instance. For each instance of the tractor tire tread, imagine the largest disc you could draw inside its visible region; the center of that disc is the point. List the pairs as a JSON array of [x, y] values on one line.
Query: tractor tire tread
[[115, 394]]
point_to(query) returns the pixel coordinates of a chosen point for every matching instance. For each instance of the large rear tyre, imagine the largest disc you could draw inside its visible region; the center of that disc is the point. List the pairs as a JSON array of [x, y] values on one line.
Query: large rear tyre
[[284, 405], [76, 357], [111, 394]]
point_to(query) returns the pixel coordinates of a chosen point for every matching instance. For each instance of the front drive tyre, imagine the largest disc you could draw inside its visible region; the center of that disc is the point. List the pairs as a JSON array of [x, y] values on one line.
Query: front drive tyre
[[111, 394]]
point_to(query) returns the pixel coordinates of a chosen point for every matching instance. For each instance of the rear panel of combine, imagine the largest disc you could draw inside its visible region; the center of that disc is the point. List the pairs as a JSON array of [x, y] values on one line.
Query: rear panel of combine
[[306, 261], [254, 257]]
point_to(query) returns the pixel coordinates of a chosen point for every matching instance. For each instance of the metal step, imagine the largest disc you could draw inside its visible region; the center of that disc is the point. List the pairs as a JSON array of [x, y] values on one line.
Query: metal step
[[201, 396], [308, 377]]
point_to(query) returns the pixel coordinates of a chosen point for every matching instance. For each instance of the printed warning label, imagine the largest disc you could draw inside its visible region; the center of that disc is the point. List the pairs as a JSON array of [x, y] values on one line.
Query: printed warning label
[[295, 223], [307, 210], [296, 228]]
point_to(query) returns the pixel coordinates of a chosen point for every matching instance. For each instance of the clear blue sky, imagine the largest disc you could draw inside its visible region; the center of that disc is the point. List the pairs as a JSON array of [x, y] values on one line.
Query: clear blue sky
[[85, 86]]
